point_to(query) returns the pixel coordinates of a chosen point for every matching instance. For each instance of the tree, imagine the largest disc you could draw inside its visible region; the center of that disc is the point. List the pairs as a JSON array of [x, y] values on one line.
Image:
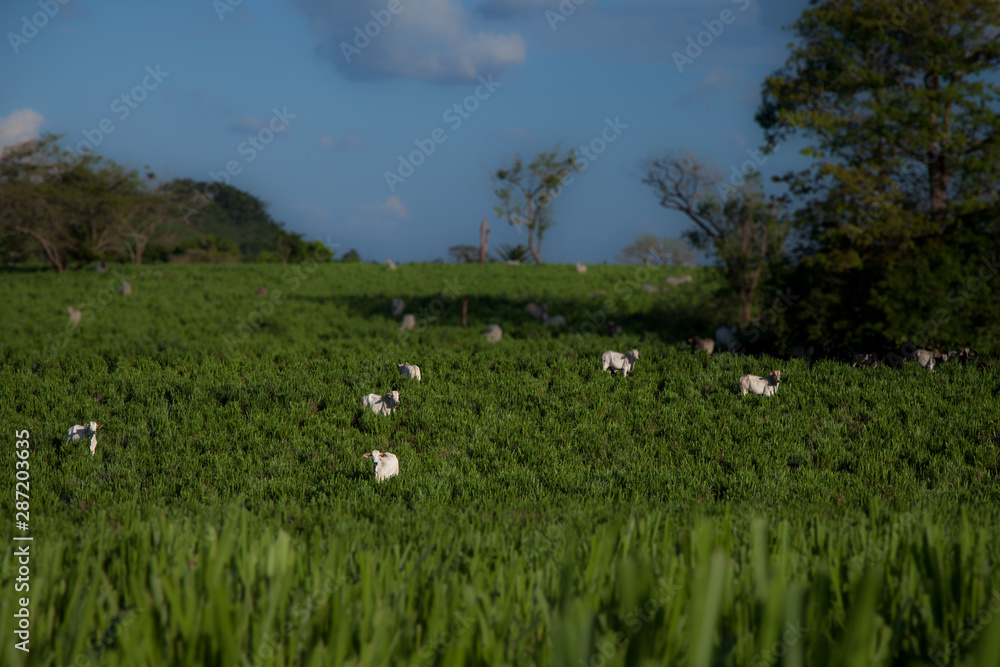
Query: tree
[[223, 210], [76, 208], [484, 241], [351, 256], [901, 114], [651, 250], [526, 192], [139, 220], [30, 199], [288, 245], [744, 231], [319, 251], [464, 254]]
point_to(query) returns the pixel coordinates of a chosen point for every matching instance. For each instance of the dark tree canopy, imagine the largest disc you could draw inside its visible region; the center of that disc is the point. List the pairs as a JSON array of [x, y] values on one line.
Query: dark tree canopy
[[902, 115]]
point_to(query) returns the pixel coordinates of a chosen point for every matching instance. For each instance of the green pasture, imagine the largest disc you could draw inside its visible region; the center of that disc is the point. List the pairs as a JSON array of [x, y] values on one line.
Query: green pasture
[[545, 513]]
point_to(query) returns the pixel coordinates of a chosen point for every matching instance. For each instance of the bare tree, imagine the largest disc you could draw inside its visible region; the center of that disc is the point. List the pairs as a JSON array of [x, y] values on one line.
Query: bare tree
[[484, 241], [139, 221], [526, 191], [745, 230]]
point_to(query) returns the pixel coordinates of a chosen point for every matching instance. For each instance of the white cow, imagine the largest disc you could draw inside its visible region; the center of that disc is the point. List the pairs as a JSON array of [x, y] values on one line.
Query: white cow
[[616, 361], [706, 345], [386, 464], [409, 370], [381, 405], [765, 386], [925, 358], [78, 432]]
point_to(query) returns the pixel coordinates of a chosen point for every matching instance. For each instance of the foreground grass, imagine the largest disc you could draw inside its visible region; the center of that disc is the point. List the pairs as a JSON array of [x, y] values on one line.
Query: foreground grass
[[228, 517]]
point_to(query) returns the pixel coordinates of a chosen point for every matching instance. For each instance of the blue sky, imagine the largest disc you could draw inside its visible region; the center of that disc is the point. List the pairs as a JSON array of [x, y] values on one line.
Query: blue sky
[[206, 83]]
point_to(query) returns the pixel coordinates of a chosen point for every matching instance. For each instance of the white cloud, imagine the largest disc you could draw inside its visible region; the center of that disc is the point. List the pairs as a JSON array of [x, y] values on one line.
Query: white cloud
[[352, 142], [21, 125], [431, 40], [381, 217], [391, 207]]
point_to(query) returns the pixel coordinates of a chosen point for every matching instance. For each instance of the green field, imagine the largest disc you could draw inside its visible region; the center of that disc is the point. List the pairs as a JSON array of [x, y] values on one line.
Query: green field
[[545, 513]]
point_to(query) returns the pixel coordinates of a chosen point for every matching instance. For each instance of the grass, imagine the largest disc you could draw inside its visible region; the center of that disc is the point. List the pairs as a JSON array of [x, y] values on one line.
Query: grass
[[545, 513]]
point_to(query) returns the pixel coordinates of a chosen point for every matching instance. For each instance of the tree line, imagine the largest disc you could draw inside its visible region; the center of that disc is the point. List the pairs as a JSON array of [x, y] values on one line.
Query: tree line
[[889, 238], [64, 210]]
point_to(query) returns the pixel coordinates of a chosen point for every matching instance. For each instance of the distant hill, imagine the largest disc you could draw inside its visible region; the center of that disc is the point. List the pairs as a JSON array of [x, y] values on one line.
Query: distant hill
[[231, 213]]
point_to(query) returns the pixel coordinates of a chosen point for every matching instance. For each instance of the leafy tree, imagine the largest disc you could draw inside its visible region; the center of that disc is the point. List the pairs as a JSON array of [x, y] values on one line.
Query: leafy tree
[[76, 208], [514, 253], [900, 109], [140, 218], [745, 230], [351, 256], [651, 250], [223, 210], [464, 254], [28, 205], [318, 251], [525, 193], [288, 245]]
